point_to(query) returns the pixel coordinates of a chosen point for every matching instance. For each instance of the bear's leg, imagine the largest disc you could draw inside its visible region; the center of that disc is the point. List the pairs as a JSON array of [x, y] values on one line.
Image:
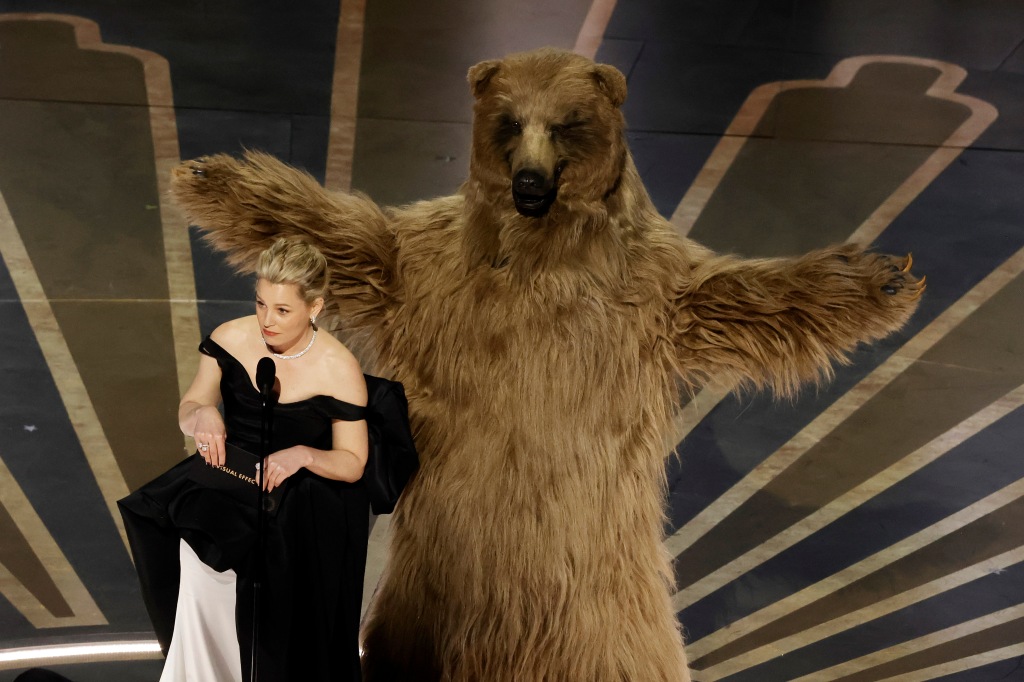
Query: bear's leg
[[397, 645], [385, 660]]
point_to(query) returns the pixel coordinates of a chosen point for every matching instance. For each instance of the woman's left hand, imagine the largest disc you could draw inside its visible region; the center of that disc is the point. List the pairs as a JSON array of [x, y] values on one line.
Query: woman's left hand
[[282, 464]]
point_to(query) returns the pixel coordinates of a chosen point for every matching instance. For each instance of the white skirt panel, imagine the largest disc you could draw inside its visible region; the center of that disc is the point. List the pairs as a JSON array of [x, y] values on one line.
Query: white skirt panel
[[204, 646]]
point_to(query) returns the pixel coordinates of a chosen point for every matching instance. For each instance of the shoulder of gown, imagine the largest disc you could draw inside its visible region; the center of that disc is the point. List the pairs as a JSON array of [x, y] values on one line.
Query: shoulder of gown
[[213, 349], [326, 405], [333, 408]]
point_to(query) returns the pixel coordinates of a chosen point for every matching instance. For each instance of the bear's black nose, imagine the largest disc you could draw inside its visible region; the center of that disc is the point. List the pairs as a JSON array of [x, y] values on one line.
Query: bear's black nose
[[531, 183]]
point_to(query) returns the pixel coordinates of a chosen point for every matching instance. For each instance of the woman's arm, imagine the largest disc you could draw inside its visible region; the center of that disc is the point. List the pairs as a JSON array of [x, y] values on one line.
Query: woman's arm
[[349, 447], [344, 462], [197, 412]]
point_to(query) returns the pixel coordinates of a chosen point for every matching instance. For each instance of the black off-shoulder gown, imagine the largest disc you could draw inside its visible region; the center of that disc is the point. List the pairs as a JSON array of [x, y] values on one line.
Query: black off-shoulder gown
[[315, 545]]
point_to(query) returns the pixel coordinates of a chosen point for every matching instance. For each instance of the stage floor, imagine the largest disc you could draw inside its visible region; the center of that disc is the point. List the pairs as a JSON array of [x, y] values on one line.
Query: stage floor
[[872, 529]]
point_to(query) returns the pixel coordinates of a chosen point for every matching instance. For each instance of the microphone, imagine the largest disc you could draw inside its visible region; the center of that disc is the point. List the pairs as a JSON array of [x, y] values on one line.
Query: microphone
[[265, 374]]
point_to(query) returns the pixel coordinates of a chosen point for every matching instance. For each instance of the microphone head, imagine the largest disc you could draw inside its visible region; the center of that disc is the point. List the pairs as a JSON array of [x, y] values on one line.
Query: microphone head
[[266, 371]]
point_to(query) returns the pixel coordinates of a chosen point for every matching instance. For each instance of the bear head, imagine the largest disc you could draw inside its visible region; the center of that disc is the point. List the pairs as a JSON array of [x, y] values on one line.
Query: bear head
[[548, 134], [548, 128]]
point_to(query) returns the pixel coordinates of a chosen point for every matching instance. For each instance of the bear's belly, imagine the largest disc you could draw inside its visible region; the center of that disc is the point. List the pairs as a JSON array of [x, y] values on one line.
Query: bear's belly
[[503, 561], [539, 452], [530, 506]]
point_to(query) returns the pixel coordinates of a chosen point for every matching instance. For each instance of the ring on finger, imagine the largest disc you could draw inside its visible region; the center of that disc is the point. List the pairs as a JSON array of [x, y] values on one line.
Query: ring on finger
[[204, 446]]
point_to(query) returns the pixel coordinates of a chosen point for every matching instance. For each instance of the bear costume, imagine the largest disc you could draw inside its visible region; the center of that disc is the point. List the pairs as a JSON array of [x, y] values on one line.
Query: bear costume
[[544, 320]]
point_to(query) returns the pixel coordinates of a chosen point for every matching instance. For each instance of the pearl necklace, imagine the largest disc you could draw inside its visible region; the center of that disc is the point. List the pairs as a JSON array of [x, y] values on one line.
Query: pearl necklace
[[297, 355]]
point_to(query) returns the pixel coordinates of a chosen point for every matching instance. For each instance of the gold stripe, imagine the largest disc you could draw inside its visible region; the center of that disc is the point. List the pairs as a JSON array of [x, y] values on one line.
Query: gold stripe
[[177, 246], [983, 115], [914, 646], [850, 500], [711, 175], [166, 153], [85, 610], [62, 366], [845, 406], [976, 661], [594, 25], [694, 412], [338, 177], [860, 570], [177, 249], [345, 95], [746, 120], [854, 573]]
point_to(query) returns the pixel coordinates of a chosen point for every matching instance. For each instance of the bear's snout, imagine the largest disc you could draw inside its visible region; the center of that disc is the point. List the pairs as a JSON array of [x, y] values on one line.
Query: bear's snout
[[533, 192], [531, 183]]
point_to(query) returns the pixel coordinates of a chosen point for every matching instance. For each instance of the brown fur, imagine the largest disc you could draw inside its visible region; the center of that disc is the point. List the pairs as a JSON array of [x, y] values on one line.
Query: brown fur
[[543, 357]]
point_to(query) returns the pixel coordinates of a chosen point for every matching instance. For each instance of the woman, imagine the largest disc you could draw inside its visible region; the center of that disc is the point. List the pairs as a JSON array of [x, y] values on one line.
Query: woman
[[315, 545]]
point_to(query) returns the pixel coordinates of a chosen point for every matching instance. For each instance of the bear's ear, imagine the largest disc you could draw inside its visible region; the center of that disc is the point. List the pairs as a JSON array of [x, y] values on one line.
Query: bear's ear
[[612, 83], [480, 75]]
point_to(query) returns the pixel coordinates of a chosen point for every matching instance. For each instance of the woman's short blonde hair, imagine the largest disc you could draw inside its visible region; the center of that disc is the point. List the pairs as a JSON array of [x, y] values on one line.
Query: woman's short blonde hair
[[293, 261]]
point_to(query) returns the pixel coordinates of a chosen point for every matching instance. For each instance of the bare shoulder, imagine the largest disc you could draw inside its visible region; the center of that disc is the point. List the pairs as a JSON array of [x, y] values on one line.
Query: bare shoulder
[[342, 373], [235, 336]]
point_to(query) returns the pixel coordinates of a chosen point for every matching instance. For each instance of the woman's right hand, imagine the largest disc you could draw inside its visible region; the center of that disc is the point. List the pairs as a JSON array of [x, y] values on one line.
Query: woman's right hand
[[209, 432]]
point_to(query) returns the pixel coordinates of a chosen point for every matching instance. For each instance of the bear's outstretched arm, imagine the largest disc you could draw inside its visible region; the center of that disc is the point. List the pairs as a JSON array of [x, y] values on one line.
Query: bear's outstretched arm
[[242, 206], [780, 323]]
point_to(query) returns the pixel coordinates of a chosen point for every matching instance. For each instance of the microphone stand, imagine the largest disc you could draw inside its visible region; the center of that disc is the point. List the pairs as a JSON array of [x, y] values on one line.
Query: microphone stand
[[259, 573]]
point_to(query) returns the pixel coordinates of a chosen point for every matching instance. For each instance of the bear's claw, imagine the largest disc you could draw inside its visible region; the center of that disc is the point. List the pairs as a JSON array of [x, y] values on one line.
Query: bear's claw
[[920, 287], [900, 280], [910, 261]]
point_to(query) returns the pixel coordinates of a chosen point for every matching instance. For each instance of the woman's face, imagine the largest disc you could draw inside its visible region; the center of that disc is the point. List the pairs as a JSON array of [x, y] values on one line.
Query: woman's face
[[282, 314]]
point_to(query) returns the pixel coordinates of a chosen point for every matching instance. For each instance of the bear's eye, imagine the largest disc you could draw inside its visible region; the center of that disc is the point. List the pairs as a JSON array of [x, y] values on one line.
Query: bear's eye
[[508, 128], [511, 125], [567, 129]]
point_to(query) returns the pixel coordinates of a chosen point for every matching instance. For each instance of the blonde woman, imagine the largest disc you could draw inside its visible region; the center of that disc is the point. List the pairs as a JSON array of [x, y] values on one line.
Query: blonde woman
[[194, 545]]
